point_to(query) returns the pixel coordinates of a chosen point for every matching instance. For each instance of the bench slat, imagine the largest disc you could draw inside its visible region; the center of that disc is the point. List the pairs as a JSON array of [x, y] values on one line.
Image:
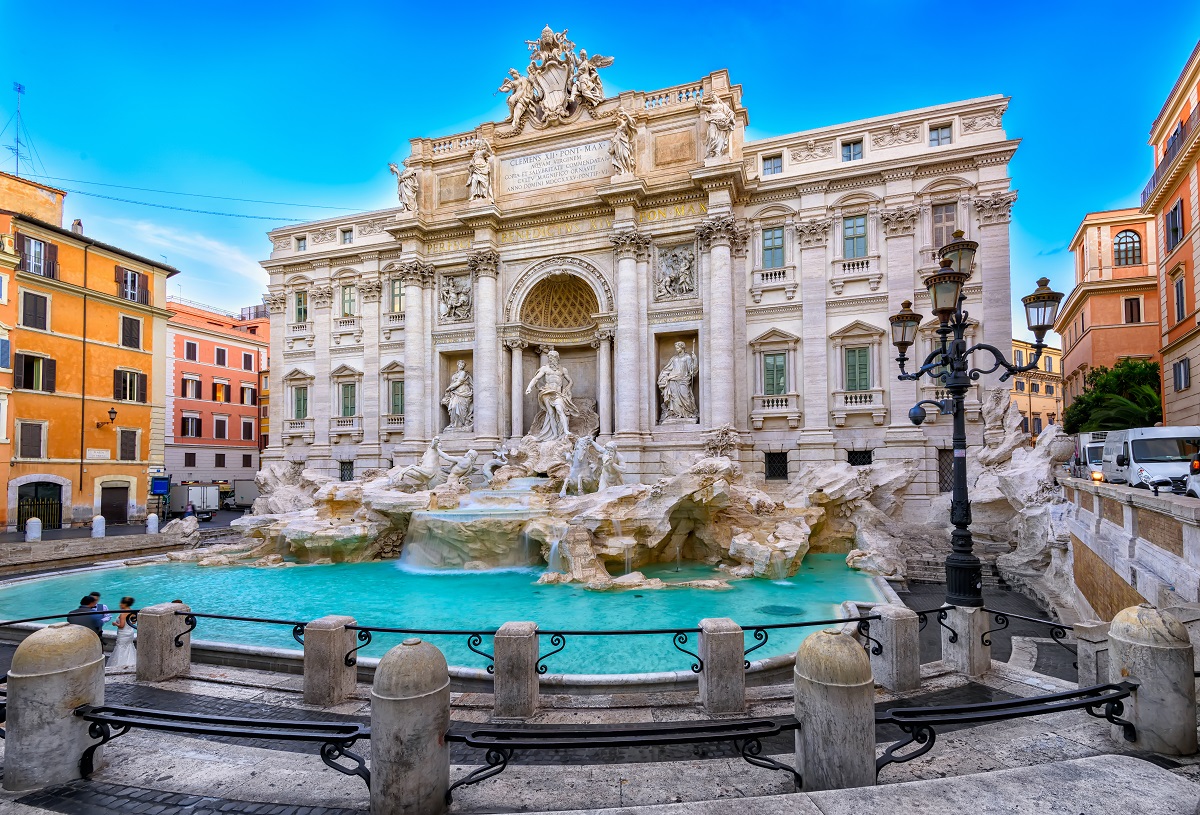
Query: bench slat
[[223, 726]]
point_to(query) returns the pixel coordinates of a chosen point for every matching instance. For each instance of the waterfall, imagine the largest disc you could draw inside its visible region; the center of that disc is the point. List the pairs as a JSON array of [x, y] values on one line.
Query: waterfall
[[616, 522], [628, 558], [554, 561], [679, 557], [778, 568]]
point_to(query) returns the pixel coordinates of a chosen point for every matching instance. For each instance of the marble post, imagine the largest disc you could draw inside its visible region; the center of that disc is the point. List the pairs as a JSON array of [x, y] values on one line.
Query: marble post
[[1092, 636], [628, 386], [963, 649], [328, 680], [900, 224], [994, 212], [517, 350], [53, 671], [604, 387], [723, 680], [721, 368], [1153, 647], [158, 658], [97, 526], [835, 701], [33, 530], [152, 524], [516, 684], [410, 714], [414, 351], [741, 285], [646, 374], [898, 667], [484, 266]]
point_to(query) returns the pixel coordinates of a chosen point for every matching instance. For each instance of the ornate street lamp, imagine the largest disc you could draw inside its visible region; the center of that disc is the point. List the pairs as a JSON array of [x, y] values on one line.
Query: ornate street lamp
[[949, 362], [112, 417]]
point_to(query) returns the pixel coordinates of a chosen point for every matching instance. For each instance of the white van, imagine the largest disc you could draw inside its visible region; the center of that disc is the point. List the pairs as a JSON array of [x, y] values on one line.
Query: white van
[[1089, 455], [1144, 454]]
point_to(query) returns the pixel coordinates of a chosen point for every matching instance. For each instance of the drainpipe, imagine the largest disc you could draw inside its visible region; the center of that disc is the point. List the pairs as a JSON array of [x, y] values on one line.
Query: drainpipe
[[83, 382]]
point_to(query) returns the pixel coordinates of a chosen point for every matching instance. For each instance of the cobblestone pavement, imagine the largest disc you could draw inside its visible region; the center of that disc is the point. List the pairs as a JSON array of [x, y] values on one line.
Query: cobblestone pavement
[[95, 798]]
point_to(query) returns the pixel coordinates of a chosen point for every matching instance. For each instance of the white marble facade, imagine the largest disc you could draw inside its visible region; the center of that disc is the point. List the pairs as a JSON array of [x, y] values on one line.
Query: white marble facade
[[775, 262]]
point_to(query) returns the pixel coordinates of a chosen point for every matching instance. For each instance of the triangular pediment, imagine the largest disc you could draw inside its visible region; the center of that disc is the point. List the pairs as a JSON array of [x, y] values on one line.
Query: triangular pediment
[[344, 372], [297, 375], [774, 335], [857, 329], [392, 368]]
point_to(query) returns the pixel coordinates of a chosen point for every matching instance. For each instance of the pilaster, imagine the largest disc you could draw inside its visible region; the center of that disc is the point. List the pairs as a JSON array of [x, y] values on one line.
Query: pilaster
[[484, 267]]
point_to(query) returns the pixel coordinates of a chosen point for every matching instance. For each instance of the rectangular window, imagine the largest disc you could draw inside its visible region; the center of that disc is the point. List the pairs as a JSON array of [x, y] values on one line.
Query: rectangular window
[[302, 307], [133, 286], [397, 298], [1024, 423], [30, 439], [346, 470], [301, 244], [1034, 387], [219, 356], [127, 443], [191, 351], [1050, 392], [219, 460], [220, 392], [129, 386], [247, 361], [262, 411], [945, 221], [945, 470], [852, 150], [1037, 424], [300, 403], [32, 373], [939, 135], [191, 388], [1133, 309], [219, 428], [397, 397], [854, 237], [1048, 364], [1019, 357], [777, 466], [5, 353], [348, 301], [189, 459], [249, 396], [131, 332], [774, 377], [858, 369], [349, 408], [1182, 374], [772, 248], [1174, 224], [247, 460], [858, 458], [34, 256], [347, 236], [772, 165], [190, 427], [34, 311], [247, 430], [1020, 386], [1180, 299]]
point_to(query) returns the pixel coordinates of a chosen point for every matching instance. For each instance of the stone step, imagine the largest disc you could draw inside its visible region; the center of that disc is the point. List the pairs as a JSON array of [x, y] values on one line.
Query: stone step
[[933, 570]]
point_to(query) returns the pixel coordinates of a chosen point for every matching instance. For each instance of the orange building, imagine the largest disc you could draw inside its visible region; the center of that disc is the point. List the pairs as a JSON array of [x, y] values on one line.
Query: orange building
[[213, 391], [1113, 311], [1171, 199], [1037, 393], [88, 346]]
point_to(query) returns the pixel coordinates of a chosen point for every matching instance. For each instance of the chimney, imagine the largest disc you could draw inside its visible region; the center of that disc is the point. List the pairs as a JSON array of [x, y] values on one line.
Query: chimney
[[77, 226]]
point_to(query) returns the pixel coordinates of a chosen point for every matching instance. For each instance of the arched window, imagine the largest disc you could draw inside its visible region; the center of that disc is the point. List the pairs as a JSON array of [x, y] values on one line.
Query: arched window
[[1127, 249]]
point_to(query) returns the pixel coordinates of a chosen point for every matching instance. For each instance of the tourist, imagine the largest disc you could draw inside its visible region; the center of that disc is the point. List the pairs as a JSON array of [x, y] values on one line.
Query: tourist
[[190, 512], [101, 607], [86, 616], [124, 655]]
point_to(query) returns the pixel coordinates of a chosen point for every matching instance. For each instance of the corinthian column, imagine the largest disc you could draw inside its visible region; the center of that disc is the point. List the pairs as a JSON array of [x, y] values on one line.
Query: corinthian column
[[719, 233], [994, 212], [517, 386], [483, 266], [414, 274], [603, 344], [628, 386]]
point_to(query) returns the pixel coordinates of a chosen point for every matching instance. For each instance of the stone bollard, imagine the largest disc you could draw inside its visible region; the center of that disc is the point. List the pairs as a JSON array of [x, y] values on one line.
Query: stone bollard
[[1154, 648], [158, 658], [516, 685], [328, 680], [98, 526], [53, 671], [898, 667], [1092, 656], [33, 530], [151, 524], [967, 654], [723, 679], [410, 714], [835, 703]]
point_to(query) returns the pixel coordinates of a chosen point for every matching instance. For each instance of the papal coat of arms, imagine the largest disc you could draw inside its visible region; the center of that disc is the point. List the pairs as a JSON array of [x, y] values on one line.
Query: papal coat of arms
[[557, 85]]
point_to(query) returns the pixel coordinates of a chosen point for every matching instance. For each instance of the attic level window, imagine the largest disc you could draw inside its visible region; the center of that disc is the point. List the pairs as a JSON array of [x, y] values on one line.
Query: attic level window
[[133, 286], [852, 150], [301, 244], [347, 236], [939, 135], [772, 165]]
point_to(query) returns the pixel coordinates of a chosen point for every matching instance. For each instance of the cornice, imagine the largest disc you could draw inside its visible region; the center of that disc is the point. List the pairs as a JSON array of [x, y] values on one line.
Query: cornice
[[35, 280]]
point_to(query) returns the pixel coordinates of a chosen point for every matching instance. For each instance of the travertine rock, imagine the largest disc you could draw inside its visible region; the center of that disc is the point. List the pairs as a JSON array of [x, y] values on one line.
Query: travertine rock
[[285, 486], [185, 531]]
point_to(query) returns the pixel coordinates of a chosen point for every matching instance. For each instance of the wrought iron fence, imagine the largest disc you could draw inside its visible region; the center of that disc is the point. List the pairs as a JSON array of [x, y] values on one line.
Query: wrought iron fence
[[1058, 631], [46, 510]]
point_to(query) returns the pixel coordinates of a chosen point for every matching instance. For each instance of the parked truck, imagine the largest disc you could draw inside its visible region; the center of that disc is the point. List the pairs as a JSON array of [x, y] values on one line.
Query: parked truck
[[243, 495], [204, 498], [1089, 455]]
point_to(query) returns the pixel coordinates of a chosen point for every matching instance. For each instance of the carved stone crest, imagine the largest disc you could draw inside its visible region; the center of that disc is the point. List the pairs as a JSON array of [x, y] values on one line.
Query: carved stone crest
[[983, 121], [322, 235], [812, 151], [899, 221], [372, 227], [676, 274], [557, 84]]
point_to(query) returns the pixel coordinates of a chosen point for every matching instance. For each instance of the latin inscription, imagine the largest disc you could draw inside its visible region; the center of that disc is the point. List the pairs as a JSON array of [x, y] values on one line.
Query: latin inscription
[[554, 167], [577, 227], [448, 245], [669, 213]]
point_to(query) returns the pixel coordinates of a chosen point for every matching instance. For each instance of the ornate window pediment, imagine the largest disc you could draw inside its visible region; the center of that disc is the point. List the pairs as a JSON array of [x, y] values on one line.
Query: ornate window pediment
[[297, 376], [774, 336], [857, 330], [345, 372], [392, 369]]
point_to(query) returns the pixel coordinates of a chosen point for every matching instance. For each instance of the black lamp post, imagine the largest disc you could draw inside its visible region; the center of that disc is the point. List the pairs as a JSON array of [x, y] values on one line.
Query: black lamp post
[[949, 362]]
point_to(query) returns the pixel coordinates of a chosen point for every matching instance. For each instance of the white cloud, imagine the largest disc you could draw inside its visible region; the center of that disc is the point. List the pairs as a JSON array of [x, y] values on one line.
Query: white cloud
[[203, 250]]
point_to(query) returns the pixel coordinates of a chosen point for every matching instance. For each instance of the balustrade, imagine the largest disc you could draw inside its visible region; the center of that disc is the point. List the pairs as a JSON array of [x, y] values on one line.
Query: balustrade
[[856, 269], [683, 95], [782, 277], [846, 403]]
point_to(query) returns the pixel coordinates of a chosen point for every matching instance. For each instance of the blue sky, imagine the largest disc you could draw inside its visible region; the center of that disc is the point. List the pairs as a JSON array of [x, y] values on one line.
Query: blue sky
[[308, 102]]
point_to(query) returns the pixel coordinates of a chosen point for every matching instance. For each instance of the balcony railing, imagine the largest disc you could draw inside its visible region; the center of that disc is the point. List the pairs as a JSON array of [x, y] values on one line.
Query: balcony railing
[[854, 269], [394, 421], [346, 324], [346, 425], [782, 277], [299, 329], [47, 268], [784, 405], [1174, 146], [297, 427], [970, 401], [394, 318], [846, 403]]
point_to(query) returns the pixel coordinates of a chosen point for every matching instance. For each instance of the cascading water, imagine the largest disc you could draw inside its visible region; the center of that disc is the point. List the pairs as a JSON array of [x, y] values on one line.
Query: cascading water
[[679, 558], [628, 558], [554, 560]]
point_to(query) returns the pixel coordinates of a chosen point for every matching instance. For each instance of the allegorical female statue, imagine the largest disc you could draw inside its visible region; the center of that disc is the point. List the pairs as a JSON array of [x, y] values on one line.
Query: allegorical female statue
[[554, 397], [621, 146], [459, 399], [675, 384], [479, 173], [721, 120], [407, 186]]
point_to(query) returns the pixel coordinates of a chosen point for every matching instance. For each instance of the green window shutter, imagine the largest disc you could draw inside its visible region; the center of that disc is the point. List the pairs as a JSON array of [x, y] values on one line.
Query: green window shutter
[[858, 374], [774, 377]]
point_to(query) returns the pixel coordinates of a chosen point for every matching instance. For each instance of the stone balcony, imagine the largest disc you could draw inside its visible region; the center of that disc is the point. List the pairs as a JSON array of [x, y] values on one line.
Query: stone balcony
[[302, 430], [390, 324], [847, 403], [783, 406], [783, 277], [347, 330], [391, 427], [971, 403], [298, 334], [856, 269], [341, 426]]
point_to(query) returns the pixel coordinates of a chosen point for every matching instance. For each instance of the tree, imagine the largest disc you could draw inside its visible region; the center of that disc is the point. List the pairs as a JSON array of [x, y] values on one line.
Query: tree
[[1126, 395]]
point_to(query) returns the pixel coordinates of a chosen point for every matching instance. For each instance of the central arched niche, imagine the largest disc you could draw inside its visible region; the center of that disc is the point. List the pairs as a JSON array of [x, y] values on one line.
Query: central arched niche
[[560, 301]]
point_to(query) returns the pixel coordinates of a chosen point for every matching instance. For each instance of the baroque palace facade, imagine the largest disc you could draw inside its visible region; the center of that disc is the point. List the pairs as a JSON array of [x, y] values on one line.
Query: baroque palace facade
[[687, 278]]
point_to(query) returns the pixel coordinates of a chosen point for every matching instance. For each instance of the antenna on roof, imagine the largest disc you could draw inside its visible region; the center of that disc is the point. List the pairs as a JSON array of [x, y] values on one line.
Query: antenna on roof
[[20, 91]]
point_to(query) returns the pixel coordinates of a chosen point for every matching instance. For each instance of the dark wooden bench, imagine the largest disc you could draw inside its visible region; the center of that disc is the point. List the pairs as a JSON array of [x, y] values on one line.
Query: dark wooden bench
[[500, 742], [919, 722], [107, 722]]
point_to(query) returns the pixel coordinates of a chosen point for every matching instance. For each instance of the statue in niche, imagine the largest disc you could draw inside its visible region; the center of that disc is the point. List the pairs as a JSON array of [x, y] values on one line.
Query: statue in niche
[[420, 475], [554, 397], [459, 399], [675, 384], [586, 84], [612, 465], [479, 173], [523, 94], [720, 119], [407, 187], [676, 273], [621, 147], [454, 300]]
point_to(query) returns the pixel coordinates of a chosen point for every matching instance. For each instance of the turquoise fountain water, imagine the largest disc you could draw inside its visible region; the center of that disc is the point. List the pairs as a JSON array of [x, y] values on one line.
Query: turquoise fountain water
[[388, 594]]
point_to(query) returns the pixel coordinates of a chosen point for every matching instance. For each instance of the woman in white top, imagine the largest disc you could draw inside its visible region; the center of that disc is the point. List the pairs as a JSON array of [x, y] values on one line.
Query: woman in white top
[[123, 659]]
